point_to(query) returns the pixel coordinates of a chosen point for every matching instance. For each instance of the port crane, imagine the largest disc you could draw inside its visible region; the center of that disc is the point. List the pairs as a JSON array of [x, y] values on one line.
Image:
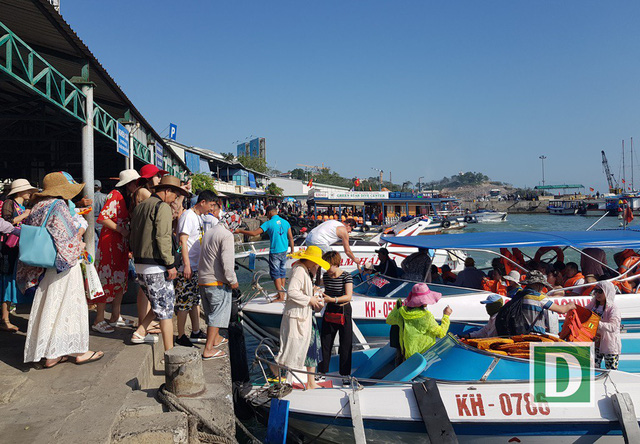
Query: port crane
[[614, 188]]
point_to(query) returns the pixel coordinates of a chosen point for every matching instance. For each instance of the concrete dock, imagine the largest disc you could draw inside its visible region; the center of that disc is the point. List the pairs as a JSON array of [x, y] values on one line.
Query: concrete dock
[[112, 400]]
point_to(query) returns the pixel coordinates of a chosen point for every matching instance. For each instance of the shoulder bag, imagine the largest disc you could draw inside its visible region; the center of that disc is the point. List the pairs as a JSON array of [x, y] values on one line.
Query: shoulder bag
[[36, 244]]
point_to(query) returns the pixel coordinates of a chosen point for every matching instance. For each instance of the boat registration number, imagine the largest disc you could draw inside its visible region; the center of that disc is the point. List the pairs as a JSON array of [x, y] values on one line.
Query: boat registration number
[[509, 404], [374, 309]]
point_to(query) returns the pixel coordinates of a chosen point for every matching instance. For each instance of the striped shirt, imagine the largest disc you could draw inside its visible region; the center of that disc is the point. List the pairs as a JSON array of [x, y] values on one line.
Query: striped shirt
[[533, 304], [335, 287]]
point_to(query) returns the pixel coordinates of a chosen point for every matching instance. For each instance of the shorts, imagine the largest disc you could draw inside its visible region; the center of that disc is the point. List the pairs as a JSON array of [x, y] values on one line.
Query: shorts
[[610, 360], [160, 293], [187, 292], [277, 262], [216, 303]]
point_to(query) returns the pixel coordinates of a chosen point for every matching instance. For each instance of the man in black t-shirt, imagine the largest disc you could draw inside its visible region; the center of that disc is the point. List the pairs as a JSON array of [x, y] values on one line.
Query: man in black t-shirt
[[386, 266]]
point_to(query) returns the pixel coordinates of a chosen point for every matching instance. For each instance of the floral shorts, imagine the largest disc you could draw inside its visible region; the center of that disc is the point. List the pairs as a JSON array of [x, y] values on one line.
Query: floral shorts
[[160, 293], [187, 292], [610, 360]]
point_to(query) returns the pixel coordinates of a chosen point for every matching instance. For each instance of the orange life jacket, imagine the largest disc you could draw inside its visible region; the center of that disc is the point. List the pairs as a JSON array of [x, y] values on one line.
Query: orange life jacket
[[572, 282], [587, 290], [494, 287], [516, 257], [628, 263], [449, 276], [624, 287]]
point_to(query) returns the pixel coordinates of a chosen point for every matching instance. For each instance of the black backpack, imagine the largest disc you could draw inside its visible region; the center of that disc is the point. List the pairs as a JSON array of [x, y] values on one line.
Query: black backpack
[[510, 320]]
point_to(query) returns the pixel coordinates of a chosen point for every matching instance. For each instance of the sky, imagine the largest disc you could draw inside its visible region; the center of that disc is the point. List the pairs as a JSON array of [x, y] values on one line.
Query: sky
[[412, 87]]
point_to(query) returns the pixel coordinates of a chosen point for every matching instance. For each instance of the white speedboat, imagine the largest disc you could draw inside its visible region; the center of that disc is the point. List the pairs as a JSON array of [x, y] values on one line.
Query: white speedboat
[[488, 216]]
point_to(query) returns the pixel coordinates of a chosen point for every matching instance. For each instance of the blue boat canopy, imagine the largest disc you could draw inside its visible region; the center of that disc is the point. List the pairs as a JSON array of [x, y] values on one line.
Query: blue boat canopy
[[508, 239]]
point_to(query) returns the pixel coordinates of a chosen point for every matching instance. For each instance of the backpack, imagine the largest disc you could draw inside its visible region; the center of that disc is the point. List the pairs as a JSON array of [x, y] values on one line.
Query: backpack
[[510, 320]]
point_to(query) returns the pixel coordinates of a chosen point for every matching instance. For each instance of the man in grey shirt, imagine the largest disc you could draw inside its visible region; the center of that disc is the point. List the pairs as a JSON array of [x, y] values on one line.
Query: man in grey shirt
[[216, 279], [470, 277], [99, 199]]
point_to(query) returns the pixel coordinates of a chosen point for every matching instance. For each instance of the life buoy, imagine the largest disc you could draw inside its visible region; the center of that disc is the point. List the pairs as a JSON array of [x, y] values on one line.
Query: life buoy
[[543, 250], [365, 228], [445, 224], [468, 219]]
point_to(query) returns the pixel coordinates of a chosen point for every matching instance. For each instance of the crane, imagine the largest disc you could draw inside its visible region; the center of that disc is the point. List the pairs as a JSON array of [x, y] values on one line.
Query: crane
[[613, 184]]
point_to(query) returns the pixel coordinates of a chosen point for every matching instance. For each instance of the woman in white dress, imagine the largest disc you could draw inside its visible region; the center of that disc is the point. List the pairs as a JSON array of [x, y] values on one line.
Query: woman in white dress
[[295, 329], [59, 322]]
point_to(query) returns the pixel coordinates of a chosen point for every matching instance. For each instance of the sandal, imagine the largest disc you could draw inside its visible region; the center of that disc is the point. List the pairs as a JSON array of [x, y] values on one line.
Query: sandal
[[216, 355], [103, 327], [91, 358], [148, 339], [121, 322], [59, 361], [224, 341], [154, 331]]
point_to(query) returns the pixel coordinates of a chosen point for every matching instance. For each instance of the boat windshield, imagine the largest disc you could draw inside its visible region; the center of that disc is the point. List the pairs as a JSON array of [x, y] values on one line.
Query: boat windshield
[[380, 286], [445, 358]]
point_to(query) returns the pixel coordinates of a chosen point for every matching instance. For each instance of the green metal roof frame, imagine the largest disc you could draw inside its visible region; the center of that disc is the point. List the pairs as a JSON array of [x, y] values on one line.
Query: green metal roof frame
[[557, 187]]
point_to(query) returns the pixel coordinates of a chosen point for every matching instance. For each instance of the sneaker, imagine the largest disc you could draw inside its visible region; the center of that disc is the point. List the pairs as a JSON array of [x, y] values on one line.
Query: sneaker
[[198, 338], [184, 341]]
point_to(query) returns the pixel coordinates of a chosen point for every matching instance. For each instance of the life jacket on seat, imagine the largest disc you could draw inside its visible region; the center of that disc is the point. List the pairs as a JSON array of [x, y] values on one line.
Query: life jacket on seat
[[543, 250], [494, 287], [516, 257]]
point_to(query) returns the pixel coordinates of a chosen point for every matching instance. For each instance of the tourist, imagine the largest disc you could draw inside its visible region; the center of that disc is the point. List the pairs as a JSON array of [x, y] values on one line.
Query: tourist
[[573, 278], [416, 266], [448, 276], [281, 240], [99, 199], [153, 251], [436, 278], [513, 282], [338, 291], [216, 279], [112, 258], [607, 342], [525, 312], [386, 266], [418, 327], [13, 212], [594, 261], [492, 304], [150, 176], [191, 232], [328, 233], [59, 322], [493, 283], [296, 325], [470, 277]]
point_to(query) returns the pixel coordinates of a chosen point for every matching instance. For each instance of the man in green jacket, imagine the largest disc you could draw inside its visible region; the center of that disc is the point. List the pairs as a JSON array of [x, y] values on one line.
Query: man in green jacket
[[151, 242]]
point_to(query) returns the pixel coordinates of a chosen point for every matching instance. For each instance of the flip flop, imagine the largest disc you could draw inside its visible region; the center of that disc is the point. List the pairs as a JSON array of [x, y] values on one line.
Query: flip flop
[[224, 341], [59, 361], [154, 331], [216, 355], [91, 359]]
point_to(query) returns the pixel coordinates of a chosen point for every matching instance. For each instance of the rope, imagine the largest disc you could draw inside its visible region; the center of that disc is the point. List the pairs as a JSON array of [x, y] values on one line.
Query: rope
[[215, 434]]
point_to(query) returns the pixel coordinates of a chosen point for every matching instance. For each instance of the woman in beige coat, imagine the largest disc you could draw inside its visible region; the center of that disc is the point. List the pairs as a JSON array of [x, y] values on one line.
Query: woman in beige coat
[[295, 329]]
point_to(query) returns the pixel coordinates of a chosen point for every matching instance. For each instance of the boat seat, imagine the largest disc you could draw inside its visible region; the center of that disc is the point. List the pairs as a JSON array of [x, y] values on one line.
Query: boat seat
[[357, 359], [376, 362], [408, 370]]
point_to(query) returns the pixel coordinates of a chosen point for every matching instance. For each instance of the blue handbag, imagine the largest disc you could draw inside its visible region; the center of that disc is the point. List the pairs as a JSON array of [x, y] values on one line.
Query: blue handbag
[[36, 245]]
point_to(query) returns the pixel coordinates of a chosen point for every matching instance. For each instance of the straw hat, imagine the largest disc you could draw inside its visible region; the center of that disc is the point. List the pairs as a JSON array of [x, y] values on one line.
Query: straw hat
[[127, 176], [20, 185], [421, 295], [173, 183], [60, 184], [313, 254]]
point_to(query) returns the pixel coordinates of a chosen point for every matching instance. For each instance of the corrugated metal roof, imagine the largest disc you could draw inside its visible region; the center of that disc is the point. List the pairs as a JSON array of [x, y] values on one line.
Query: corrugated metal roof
[[43, 28]]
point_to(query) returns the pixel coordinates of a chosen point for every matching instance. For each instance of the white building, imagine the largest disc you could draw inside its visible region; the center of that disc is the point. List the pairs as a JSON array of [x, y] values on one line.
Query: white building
[[299, 190]]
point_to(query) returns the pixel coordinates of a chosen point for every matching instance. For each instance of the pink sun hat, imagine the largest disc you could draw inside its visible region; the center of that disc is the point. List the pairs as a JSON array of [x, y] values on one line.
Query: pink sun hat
[[421, 295]]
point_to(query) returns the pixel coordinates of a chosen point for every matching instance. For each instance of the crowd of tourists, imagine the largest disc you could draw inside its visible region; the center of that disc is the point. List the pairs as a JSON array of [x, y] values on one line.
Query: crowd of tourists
[[182, 259]]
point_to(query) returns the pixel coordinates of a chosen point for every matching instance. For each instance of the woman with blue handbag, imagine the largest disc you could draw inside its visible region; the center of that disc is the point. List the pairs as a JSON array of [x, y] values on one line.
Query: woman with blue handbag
[[50, 247]]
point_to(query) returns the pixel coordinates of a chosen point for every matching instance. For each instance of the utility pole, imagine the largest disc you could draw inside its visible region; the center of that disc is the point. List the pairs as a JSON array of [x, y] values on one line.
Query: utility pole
[[542, 159]]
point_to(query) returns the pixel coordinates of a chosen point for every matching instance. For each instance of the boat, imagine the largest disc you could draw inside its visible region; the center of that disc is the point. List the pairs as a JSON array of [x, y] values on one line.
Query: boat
[[365, 249], [563, 207], [484, 216], [471, 395], [374, 296], [593, 208]]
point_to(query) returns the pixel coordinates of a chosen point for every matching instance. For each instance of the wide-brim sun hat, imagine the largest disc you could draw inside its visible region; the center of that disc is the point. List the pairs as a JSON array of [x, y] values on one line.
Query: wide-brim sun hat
[[60, 184], [150, 170], [536, 277], [313, 254], [421, 295], [172, 183], [513, 276], [127, 176], [20, 185]]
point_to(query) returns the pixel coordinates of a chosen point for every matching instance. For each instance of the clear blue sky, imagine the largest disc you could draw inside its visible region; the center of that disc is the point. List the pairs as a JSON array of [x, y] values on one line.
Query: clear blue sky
[[418, 88]]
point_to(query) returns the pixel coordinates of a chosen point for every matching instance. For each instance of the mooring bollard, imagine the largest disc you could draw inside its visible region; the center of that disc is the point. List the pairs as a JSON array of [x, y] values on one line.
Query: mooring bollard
[[183, 372]]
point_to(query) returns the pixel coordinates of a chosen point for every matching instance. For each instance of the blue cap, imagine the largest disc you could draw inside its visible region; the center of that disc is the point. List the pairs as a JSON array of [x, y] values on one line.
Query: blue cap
[[491, 299]]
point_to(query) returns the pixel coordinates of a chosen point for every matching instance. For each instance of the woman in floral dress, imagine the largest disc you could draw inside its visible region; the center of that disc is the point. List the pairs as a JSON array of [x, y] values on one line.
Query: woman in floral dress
[[113, 252]]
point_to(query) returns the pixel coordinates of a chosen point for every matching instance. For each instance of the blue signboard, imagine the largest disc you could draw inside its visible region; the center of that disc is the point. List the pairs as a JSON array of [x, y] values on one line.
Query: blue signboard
[[193, 161], [122, 142], [159, 155], [254, 146], [173, 131]]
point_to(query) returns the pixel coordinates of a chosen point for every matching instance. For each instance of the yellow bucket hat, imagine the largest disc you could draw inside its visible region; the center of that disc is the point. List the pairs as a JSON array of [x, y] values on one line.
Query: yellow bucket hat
[[313, 254]]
